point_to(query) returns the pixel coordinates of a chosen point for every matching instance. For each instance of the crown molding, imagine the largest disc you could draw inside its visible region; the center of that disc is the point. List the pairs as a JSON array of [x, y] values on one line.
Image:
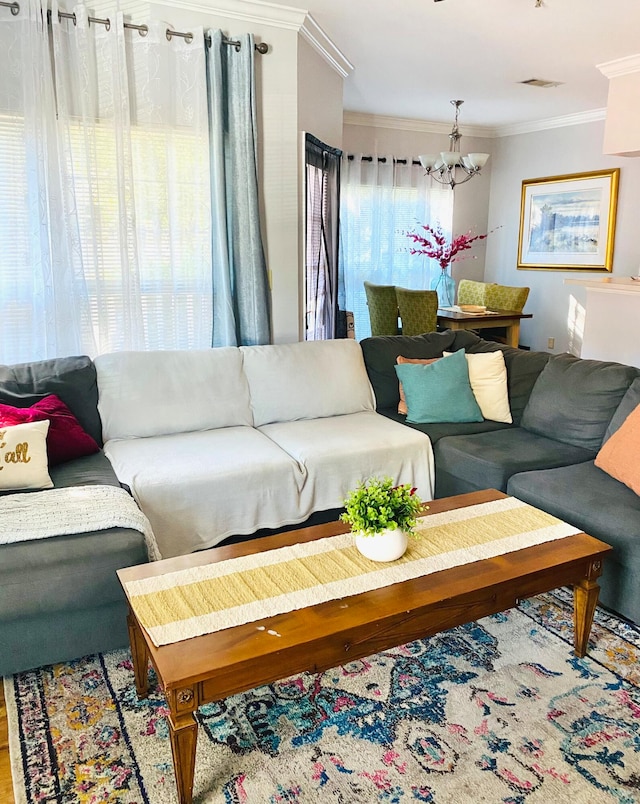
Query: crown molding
[[319, 41], [618, 67], [293, 19], [577, 119], [409, 124], [245, 10]]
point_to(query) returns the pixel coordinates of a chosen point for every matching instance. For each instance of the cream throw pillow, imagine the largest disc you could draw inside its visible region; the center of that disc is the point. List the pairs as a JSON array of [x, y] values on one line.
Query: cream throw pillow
[[488, 378], [23, 457]]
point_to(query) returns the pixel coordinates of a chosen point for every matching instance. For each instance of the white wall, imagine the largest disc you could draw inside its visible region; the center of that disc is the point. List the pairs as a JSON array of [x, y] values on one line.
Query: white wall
[[320, 89], [471, 200], [571, 149]]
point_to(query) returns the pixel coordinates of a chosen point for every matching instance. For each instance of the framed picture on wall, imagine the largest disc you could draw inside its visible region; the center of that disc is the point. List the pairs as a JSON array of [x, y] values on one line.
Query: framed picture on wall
[[567, 223]]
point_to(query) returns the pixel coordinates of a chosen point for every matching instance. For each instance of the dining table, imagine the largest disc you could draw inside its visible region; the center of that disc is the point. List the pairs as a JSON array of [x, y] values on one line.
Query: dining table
[[454, 318]]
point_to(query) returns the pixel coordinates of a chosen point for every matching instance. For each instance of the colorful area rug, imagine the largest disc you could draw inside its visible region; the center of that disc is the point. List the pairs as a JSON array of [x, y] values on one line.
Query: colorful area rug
[[495, 711]]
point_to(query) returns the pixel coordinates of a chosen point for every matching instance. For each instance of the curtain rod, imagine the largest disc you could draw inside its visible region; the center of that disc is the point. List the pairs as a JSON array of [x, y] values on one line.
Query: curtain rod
[[261, 47], [384, 159]]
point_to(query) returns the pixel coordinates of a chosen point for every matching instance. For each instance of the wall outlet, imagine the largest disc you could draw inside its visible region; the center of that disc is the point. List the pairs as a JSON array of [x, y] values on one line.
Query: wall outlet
[[551, 342]]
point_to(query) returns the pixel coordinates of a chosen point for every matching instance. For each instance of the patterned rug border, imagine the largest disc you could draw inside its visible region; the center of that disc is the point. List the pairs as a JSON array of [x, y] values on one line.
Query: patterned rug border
[[557, 623], [605, 619]]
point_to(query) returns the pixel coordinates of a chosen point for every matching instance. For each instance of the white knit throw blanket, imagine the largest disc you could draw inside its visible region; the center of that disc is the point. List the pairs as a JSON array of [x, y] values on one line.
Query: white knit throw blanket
[[78, 509]]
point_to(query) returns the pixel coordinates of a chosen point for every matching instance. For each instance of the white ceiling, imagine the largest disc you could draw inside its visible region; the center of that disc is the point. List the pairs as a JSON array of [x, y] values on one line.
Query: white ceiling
[[411, 57]]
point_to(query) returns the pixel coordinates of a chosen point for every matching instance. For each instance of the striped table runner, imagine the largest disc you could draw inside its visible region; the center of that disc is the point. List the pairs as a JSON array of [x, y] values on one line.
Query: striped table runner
[[201, 600]]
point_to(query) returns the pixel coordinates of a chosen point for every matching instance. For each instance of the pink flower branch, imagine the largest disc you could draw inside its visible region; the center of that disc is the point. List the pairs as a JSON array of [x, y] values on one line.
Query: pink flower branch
[[434, 244]]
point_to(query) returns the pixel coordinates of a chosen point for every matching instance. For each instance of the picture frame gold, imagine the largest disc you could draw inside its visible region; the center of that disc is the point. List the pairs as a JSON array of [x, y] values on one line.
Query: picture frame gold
[[567, 223]]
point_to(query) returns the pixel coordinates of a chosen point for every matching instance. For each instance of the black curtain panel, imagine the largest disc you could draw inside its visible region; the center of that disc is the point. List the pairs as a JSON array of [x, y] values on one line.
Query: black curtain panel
[[321, 239]]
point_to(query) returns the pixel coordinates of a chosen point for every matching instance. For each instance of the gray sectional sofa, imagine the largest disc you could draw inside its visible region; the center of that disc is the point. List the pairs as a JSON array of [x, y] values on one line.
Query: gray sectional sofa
[[60, 598], [563, 409]]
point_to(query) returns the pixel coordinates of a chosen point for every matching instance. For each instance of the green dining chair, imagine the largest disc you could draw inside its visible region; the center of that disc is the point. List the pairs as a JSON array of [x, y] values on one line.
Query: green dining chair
[[505, 297], [418, 310], [383, 308], [471, 292]]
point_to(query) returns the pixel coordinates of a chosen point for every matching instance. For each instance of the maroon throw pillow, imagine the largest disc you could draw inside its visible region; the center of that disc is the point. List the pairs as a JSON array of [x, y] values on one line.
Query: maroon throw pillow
[[66, 439]]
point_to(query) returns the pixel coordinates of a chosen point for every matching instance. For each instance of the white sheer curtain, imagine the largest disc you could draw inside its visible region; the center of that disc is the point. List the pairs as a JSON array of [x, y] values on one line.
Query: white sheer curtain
[[379, 202], [105, 208]]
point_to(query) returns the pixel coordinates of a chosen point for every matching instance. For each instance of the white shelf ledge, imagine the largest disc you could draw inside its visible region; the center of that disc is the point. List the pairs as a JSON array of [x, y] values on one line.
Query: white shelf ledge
[[622, 284]]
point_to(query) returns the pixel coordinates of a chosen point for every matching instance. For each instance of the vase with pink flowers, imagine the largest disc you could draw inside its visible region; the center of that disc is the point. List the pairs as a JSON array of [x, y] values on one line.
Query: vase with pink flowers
[[434, 244]]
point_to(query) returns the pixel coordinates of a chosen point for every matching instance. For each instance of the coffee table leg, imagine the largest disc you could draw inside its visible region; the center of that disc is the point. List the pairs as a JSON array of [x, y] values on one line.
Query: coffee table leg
[[183, 732], [585, 598], [140, 656]]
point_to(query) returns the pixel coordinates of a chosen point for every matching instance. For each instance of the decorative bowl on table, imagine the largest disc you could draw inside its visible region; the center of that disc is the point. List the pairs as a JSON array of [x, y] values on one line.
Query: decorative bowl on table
[[473, 308]]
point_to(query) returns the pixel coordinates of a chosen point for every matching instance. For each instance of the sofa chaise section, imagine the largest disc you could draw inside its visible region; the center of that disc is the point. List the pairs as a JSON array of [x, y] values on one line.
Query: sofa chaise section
[[228, 441], [589, 499], [60, 597], [600, 505]]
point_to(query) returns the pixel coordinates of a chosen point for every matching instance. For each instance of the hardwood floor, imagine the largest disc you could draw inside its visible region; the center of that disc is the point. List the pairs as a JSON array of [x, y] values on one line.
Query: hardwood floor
[[6, 786]]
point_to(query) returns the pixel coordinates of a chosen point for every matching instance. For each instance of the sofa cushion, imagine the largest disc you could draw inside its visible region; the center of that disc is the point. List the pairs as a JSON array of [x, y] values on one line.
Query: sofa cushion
[[335, 455], [630, 402], [438, 430], [66, 438], [72, 379], [198, 488], [573, 400], [66, 573], [88, 471], [23, 457], [380, 353], [309, 380], [619, 456], [158, 393], [487, 460], [439, 391], [92, 470], [589, 499]]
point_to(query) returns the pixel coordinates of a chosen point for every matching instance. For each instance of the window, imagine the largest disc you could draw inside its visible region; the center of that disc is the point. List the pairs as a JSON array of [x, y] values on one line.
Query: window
[[380, 201]]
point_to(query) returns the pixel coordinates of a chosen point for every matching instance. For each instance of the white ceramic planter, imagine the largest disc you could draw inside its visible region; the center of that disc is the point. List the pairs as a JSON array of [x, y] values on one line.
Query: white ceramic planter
[[385, 546]]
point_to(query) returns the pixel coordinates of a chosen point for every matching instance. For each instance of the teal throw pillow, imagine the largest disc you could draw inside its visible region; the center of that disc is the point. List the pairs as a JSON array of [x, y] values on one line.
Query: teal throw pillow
[[440, 391]]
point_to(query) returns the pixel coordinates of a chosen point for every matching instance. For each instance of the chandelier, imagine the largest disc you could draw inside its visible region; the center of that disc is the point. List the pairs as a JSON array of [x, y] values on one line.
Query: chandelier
[[450, 167]]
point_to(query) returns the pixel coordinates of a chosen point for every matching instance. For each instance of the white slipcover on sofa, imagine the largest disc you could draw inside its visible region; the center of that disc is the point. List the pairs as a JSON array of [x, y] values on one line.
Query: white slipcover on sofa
[[225, 441]]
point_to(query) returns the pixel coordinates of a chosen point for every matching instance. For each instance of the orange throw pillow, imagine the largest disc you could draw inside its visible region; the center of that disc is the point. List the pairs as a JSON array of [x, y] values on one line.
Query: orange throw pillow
[[619, 456], [402, 404]]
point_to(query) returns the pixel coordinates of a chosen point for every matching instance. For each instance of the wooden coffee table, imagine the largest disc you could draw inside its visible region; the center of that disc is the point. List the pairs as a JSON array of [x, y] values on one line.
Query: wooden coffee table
[[211, 667]]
